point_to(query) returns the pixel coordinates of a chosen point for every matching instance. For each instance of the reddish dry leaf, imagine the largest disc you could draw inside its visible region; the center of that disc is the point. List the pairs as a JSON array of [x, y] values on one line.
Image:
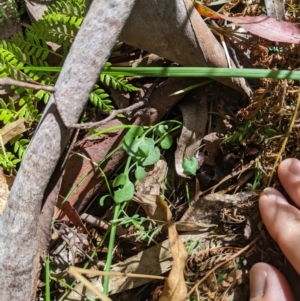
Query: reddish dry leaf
[[205, 11], [68, 213], [262, 26], [175, 287]]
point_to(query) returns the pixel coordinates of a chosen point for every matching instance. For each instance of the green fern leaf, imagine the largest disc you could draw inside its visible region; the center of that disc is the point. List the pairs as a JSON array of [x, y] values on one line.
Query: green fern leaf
[[99, 98], [68, 8], [118, 83]]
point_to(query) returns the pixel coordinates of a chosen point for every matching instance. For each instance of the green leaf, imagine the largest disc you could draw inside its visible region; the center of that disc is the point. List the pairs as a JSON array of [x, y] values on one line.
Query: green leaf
[[190, 166], [161, 130], [125, 193], [130, 145], [126, 190], [120, 180], [102, 199], [166, 142], [134, 132], [152, 158], [140, 173], [146, 146]]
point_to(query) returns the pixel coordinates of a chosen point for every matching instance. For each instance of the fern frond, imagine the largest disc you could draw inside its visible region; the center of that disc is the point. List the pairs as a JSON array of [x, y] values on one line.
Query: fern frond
[[34, 51], [28, 108], [31, 46], [99, 98], [117, 83], [56, 28], [8, 161], [68, 8], [10, 60], [20, 146]]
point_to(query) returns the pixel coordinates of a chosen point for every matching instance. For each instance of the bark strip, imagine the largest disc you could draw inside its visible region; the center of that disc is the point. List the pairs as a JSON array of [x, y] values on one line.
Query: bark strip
[[18, 223]]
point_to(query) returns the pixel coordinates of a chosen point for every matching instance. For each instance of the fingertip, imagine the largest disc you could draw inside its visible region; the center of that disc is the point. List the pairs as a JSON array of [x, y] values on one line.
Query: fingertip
[[268, 203], [289, 165], [289, 175], [268, 284]]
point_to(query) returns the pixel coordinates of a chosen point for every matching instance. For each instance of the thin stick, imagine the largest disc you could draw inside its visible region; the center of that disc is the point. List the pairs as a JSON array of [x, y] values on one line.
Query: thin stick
[[87, 283], [222, 263], [126, 111], [7, 81], [116, 274]]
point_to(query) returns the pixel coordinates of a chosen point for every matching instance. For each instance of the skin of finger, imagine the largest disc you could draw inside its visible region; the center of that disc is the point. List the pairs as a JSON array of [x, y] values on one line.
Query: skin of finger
[[282, 221], [289, 175], [277, 287]]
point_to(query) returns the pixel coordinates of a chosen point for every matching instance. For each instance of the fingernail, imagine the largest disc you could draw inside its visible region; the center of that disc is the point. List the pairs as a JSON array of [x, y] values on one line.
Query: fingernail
[[257, 283], [292, 165], [271, 193]]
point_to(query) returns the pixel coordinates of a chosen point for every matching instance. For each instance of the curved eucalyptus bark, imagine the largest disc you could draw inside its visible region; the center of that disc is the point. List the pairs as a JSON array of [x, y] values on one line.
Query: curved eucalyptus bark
[[18, 223], [175, 31]]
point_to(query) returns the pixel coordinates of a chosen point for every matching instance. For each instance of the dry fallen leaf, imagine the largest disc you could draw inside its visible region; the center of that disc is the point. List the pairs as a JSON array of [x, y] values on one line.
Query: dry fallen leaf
[[155, 260], [153, 205], [212, 147], [175, 288], [12, 130], [194, 114], [262, 26], [149, 188], [154, 178], [5, 184]]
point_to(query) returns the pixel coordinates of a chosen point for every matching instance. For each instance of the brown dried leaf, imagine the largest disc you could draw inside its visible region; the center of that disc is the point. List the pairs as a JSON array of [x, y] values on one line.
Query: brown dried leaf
[[68, 213], [194, 114], [148, 190], [5, 184], [175, 288], [12, 130], [151, 184], [212, 146], [153, 205]]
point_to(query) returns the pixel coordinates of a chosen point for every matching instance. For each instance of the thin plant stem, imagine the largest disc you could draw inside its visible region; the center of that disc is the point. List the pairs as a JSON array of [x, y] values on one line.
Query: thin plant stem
[[113, 230], [47, 279]]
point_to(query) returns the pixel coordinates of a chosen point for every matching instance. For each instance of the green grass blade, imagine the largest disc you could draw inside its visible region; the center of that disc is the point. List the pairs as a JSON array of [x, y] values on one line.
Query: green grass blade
[[189, 72]]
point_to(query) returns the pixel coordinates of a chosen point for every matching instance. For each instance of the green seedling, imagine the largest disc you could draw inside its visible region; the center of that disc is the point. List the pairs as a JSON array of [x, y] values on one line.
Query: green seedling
[[140, 144]]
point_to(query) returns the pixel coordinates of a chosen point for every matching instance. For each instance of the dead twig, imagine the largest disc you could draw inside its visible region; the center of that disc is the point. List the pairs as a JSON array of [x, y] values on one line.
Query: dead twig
[[7, 81], [126, 111]]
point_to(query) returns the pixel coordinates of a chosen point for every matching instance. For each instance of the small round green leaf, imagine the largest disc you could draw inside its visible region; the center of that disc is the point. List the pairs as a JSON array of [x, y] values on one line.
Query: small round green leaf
[[190, 166], [146, 146], [134, 132], [166, 142], [152, 158], [140, 173], [120, 180], [125, 193], [161, 129]]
